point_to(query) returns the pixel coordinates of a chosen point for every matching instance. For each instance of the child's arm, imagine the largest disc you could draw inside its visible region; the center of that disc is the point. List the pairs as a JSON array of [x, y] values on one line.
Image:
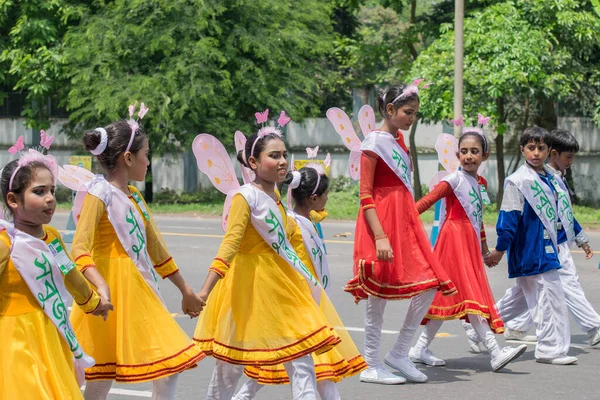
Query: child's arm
[[239, 217], [485, 250], [368, 162], [581, 239], [81, 251], [511, 212], [441, 190]]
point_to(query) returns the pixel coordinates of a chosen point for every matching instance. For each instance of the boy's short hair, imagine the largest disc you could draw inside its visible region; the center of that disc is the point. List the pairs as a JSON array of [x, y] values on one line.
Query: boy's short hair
[[562, 140], [535, 134]]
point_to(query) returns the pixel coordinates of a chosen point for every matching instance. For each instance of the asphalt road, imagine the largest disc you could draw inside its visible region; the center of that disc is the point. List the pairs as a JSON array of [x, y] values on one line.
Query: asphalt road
[[193, 241]]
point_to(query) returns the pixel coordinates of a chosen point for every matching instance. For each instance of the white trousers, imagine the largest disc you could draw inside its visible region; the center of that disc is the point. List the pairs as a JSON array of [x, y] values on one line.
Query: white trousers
[[479, 324], [162, 389], [301, 372], [374, 322], [543, 296], [327, 390], [581, 309]]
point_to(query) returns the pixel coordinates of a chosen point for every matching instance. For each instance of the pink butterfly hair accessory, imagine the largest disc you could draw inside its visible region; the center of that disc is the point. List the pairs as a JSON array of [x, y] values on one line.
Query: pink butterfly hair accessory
[[320, 168], [29, 157], [18, 146], [482, 121], [135, 124], [45, 140], [261, 118], [411, 89]]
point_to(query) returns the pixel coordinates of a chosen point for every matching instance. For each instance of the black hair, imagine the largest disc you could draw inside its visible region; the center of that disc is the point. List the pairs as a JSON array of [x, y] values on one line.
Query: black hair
[[534, 134], [119, 134], [386, 97], [21, 181], [308, 181], [481, 138], [562, 140], [261, 143]]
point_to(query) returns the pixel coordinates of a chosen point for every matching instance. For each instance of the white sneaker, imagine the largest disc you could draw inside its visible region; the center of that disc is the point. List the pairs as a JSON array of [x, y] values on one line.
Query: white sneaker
[[563, 360], [476, 347], [506, 355], [406, 368], [594, 337], [520, 336], [381, 376], [424, 356]]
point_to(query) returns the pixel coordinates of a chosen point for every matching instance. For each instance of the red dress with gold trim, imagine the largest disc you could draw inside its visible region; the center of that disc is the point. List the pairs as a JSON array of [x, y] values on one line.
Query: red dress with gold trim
[[459, 248], [414, 268]]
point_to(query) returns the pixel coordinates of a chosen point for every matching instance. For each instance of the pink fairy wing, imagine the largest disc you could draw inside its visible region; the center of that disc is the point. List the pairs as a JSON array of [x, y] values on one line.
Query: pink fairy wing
[[240, 144], [354, 163], [213, 160], [446, 147], [74, 177], [366, 119], [343, 126], [78, 204], [226, 208], [437, 178]]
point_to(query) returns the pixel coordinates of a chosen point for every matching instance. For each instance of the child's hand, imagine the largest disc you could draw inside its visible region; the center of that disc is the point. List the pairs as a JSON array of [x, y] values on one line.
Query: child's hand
[[384, 249], [589, 253], [492, 259], [103, 308], [192, 304]]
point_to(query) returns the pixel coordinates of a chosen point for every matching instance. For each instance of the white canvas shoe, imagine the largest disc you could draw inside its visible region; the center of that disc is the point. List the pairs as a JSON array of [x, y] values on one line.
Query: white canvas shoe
[[381, 376], [406, 368], [563, 360], [594, 337], [506, 355], [520, 336], [424, 356]]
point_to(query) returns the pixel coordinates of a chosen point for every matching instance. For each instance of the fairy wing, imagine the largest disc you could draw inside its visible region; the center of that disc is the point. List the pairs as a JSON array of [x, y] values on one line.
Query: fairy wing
[[482, 168], [366, 119], [437, 178], [354, 163], [343, 126], [73, 176], [447, 147], [240, 144]]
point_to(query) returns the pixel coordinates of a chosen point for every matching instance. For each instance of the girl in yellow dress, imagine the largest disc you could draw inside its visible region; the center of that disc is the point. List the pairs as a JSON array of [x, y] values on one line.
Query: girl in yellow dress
[[261, 300], [39, 354], [117, 238], [310, 197]]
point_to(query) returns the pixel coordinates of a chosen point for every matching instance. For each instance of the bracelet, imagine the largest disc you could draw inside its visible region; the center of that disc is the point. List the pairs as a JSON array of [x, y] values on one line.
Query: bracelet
[[380, 237], [487, 254]]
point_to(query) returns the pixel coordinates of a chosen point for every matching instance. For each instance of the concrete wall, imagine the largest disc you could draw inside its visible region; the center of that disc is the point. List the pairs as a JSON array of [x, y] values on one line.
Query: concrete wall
[[179, 171]]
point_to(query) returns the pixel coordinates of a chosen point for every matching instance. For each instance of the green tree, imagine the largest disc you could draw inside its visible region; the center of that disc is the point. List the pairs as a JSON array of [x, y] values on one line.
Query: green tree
[[519, 56]]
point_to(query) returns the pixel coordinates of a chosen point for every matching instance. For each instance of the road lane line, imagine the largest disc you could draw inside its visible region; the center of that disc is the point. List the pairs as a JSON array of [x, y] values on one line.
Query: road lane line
[[128, 392]]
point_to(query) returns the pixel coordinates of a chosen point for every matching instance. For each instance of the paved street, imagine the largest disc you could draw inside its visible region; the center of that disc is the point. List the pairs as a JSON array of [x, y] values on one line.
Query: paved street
[[194, 242]]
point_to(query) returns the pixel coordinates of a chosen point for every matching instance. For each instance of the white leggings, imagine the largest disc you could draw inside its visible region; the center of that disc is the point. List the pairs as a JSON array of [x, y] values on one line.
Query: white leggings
[[301, 372], [327, 390], [162, 389], [480, 325], [374, 322]]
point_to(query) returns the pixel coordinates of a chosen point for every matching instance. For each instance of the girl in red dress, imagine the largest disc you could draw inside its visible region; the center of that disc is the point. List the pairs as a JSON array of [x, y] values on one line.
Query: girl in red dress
[[392, 254], [460, 244]]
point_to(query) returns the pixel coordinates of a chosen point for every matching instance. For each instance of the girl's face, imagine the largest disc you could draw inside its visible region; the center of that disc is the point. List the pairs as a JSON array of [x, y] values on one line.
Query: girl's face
[[138, 162], [37, 204], [535, 153], [471, 155], [319, 201], [404, 116], [271, 165]]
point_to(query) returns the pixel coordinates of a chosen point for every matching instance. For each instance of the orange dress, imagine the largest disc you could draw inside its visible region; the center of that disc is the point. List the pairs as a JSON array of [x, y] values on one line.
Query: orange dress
[[414, 268], [460, 248]]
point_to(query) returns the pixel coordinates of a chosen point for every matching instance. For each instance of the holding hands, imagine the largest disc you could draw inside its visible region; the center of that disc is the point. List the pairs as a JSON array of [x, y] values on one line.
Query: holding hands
[[493, 258]]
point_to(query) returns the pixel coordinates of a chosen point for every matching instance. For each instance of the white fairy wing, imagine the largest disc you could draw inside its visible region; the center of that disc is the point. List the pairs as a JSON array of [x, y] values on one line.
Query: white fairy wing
[[240, 144], [437, 178], [343, 126], [213, 160], [74, 177], [447, 147], [366, 119], [354, 163]]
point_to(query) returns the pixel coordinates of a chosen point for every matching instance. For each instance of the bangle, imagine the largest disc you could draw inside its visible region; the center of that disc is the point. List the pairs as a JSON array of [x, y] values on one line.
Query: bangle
[[380, 237]]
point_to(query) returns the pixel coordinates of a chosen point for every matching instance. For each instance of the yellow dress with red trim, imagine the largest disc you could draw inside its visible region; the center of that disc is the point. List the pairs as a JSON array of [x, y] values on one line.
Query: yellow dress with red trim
[[414, 268], [36, 361], [140, 341], [460, 248], [261, 312], [343, 361]]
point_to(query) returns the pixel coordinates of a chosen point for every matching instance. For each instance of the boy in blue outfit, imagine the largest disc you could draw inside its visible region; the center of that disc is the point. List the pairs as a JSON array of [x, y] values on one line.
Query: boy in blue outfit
[[527, 229]]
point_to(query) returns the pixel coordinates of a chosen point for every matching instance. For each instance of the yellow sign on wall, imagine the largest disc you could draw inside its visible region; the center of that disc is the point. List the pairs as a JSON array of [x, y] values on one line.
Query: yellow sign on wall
[[302, 163], [81, 161]]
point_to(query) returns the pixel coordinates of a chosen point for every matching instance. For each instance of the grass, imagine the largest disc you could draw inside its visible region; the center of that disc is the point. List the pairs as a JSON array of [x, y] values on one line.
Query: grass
[[344, 206]]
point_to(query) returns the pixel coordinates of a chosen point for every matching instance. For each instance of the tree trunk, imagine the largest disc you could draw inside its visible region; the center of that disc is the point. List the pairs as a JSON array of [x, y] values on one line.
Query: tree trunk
[[415, 161], [500, 154], [548, 119], [525, 123]]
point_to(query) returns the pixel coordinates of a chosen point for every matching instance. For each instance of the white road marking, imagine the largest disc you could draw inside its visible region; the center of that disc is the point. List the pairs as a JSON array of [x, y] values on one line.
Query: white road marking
[[127, 392]]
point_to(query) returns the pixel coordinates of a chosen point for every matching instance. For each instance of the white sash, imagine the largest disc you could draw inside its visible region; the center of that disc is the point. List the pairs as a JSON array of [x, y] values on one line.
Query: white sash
[[539, 196], [314, 245], [38, 268], [468, 194], [385, 146], [565, 208], [268, 221], [129, 226]]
